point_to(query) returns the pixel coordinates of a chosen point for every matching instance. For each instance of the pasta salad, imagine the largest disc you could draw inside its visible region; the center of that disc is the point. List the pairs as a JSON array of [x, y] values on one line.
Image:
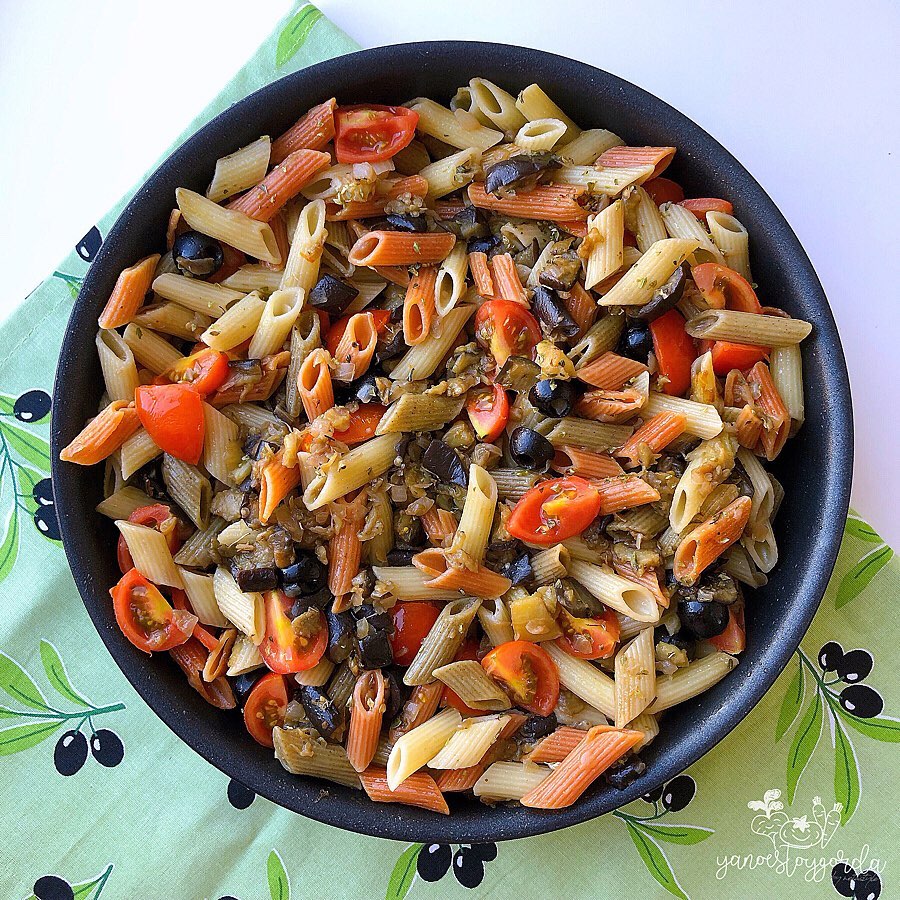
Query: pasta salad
[[435, 442]]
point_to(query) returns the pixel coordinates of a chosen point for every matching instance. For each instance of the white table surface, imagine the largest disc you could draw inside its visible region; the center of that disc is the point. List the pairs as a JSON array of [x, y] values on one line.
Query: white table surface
[[803, 93]]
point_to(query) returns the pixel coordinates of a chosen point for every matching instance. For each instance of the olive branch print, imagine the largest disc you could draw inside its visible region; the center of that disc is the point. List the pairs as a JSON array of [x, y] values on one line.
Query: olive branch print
[[295, 33], [45, 718], [854, 707], [52, 887], [279, 883], [87, 248], [867, 567]]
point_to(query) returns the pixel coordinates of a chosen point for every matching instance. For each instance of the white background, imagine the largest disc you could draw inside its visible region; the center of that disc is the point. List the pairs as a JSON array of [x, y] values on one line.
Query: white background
[[805, 94]]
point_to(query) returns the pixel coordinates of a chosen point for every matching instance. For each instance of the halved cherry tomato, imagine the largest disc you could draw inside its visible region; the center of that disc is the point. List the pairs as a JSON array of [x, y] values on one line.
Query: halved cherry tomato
[[527, 674], [362, 424], [157, 516], [145, 616], [726, 355], [723, 288], [594, 638], [700, 206], [173, 417], [734, 638], [264, 709], [449, 697], [554, 510], [488, 411], [506, 329], [204, 370], [372, 133], [664, 190], [675, 351], [412, 621], [380, 318], [284, 650]]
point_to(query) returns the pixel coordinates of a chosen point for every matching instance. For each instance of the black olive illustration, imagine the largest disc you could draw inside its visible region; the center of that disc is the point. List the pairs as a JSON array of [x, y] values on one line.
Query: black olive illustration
[[468, 868], [434, 861], [32, 406], [88, 246], [855, 666], [485, 852], [107, 748], [868, 886], [43, 492], [654, 795], [70, 753], [830, 656], [862, 701], [843, 878], [46, 522], [239, 795], [52, 887], [678, 793]]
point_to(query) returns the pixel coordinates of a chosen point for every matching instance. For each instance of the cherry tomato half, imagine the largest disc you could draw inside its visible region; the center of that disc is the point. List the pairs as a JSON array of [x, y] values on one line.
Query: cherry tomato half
[[527, 674], [488, 410], [506, 329], [727, 355], [675, 352], [700, 206], [204, 370], [264, 709], [372, 133], [449, 697], [594, 638], [145, 616], [412, 621], [284, 650], [173, 417], [554, 510], [157, 516], [723, 288], [664, 190], [380, 318], [362, 424]]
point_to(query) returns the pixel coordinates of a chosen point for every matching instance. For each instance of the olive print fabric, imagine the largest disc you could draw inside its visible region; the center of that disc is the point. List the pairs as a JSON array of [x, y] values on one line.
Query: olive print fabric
[[100, 799]]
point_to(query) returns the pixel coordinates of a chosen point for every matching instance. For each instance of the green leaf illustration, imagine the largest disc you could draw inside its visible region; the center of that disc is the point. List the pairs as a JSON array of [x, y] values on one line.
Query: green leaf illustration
[[19, 684], [293, 36], [805, 739], [91, 890], [7, 713], [7, 404], [880, 728], [655, 861], [404, 873], [676, 834], [859, 577], [846, 773], [9, 549], [791, 705], [21, 737], [862, 530], [279, 886], [29, 446], [57, 675], [27, 479]]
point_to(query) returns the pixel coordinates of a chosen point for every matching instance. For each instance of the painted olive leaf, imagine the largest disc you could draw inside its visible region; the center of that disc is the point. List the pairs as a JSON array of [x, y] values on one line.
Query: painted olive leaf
[[29, 446], [655, 861], [22, 737], [791, 705], [16, 682], [861, 575], [279, 886], [9, 549], [676, 834], [293, 36], [7, 404], [862, 530], [879, 728], [805, 739], [846, 773], [404, 873], [27, 479], [7, 713], [57, 675]]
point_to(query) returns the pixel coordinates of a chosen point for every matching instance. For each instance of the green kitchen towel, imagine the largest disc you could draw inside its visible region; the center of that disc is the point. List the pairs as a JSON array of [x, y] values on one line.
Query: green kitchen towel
[[99, 798]]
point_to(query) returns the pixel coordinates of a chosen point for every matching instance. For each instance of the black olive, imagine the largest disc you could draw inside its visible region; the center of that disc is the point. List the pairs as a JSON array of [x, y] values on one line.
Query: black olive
[[516, 172], [242, 684], [843, 877], [393, 347], [442, 462], [518, 571], [32, 406], [402, 557], [407, 223], [375, 649], [830, 656], [47, 523], [468, 868], [552, 397], [197, 254], [320, 710], [89, 246], [433, 861], [106, 747], [678, 793], [43, 492], [625, 771], [466, 224], [653, 795], [867, 886], [855, 666], [518, 374], [52, 887], [483, 244], [681, 639], [70, 753], [536, 727], [377, 618], [239, 795], [664, 299], [861, 700], [365, 390], [552, 314], [530, 450], [397, 692], [703, 619], [331, 295], [264, 578], [306, 576], [321, 600], [341, 634], [636, 341]]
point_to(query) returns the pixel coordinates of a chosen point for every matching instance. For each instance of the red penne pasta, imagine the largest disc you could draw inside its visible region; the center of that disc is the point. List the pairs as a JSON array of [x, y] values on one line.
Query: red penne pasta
[[314, 384], [582, 307], [481, 274], [279, 230], [356, 348], [276, 481], [419, 789], [658, 157], [345, 548], [283, 183], [397, 248], [776, 420], [556, 202], [418, 306], [609, 406], [700, 206], [312, 131], [748, 427], [103, 435], [610, 372], [366, 713], [704, 544], [480, 582], [420, 707], [557, 746], [454, 780], [577, 227], [624, 492], [398, 275], [652, 437], [447, 209], [586, 463], [412, 186], [507, 284], [649, 578], [129, 292], [440, 526], [599, 749]]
